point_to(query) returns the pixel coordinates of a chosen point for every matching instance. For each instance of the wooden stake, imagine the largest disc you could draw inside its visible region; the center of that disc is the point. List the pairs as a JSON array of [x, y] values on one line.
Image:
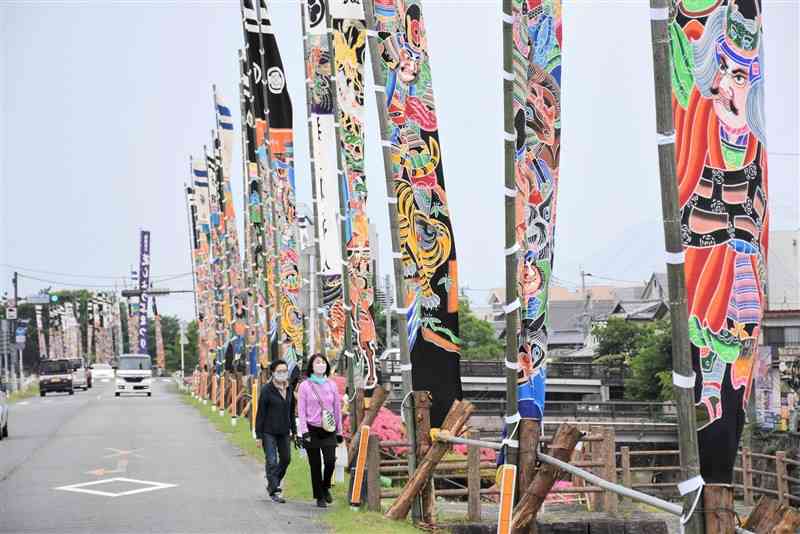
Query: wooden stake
[[422, 403], [720, 514], [529, 432], [564, 442], [473, 480], [373, 474], [679, 319], [376, 402], [626, 470], [771, 517], [780, 475], [361, 463], [456, 418], [747, 476]]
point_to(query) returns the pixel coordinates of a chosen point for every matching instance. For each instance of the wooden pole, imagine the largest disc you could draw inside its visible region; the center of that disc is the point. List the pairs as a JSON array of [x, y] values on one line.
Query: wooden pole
[[473, 481], [681, 353], [720, 514], [771, 517], [512, 319], [610, 499], [627, 481], [529, 432], [376, 402], [780, 475], [379, 79], [456, 418], [422, 403], [564, 442], [747, 476], [373, 474]]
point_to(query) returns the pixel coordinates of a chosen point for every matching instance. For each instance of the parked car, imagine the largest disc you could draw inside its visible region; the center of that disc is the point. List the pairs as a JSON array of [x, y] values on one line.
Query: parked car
[[101, 371], [55, 375], [3, 410], [80, 378]]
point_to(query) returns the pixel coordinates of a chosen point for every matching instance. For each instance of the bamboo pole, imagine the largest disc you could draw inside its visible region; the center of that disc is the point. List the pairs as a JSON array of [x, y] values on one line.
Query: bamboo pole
[[348, 356], [473, 481], [681, 354], [512, 318], [315, 306], [379, 81]]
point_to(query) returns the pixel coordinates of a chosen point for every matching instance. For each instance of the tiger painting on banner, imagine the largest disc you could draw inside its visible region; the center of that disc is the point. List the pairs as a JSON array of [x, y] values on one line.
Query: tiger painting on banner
[[426, 234], [536, 105], [721, 168], [349, 46]]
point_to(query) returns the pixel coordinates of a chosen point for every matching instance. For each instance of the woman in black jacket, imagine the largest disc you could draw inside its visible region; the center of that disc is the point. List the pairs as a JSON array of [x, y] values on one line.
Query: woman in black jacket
[[275, 426]]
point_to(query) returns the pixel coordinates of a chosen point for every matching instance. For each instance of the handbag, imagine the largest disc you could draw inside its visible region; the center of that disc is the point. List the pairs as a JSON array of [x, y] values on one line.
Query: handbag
[[328, 421]]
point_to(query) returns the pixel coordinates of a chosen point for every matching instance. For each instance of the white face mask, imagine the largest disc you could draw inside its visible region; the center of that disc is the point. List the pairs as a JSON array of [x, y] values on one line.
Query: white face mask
[[282, 376], [319, 368]]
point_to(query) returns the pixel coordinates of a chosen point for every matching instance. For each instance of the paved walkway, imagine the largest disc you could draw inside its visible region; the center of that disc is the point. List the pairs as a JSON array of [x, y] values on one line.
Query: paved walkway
[[178, 473]]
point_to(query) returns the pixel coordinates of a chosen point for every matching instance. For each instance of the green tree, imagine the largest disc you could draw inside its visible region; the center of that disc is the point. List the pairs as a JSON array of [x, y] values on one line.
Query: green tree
[[651, 364], [618, 337], [478, 339]]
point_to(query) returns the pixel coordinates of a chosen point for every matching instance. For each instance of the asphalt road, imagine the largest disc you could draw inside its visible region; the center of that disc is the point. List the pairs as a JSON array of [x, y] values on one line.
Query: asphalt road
[[180, 475]]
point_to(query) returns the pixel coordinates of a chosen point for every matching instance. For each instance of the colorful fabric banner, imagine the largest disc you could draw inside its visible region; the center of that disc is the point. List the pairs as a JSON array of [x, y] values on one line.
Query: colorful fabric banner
[[349, 46], [426, 235], [721, 167], [160, 355], [323, 149], [144, 285], [536, 108], [204, 271], [259, 36]]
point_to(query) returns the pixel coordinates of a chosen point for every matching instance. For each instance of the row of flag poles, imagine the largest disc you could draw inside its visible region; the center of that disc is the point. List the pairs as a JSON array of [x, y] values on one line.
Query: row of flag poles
[[248, 308]]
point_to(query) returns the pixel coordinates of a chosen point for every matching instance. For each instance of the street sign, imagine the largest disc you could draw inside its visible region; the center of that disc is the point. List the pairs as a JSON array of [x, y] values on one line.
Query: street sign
[[38, 299], [11, 313]]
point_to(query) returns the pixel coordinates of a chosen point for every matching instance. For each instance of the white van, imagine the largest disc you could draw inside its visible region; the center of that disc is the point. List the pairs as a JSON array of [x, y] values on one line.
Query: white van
[[79, 374], [134, 374]]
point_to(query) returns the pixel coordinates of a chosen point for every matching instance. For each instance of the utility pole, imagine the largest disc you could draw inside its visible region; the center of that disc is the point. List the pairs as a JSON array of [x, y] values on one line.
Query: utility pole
[[15, 283], [182, 341], [683, 373]]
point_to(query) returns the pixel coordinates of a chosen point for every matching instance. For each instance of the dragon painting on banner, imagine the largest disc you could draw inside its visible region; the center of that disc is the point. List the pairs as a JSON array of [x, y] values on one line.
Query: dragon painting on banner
[[349, 46], [426, 235], [537, 38], [721, 167], [319, 69]]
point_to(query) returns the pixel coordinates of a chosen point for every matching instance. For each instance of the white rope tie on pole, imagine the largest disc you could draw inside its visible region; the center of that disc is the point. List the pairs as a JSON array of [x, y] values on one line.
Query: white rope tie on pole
[[513, 443], [391, 200], [686, 487], [397, 255], [406, 367], [510, 192], [402, 311], [372, 33], [508, 19], [665, 139], [508, 76], [386, 143], [659, 13], [675, 258], [514, 366], [510, 137], [511, 419], [511, 306], [683, 381], [510, 251]]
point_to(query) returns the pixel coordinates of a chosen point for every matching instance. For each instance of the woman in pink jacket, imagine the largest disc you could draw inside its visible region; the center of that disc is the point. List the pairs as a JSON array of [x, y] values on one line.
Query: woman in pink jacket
[[320, 415]]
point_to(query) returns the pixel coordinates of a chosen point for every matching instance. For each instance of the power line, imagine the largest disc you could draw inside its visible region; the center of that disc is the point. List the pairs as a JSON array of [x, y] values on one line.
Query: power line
[[91, 276]]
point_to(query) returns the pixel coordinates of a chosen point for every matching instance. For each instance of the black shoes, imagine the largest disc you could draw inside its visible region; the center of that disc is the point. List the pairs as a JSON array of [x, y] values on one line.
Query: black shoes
[[327, 496], [278, 498], [321, 503]]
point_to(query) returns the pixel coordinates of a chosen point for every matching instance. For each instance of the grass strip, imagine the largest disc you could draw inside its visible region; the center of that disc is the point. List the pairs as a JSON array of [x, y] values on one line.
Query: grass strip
[[30, 391], [339, 518]]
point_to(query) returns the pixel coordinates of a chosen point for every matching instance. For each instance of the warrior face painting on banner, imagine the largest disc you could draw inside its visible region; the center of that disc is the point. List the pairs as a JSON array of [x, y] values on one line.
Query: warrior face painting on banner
[[537, 37], [721, 167], [349, 47], [426, 234], [319, 69]]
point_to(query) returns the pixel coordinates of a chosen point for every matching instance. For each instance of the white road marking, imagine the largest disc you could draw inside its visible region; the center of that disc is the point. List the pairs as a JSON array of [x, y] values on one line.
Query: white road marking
[[148, 486], [122, 452], [105, 380], [23, 403]]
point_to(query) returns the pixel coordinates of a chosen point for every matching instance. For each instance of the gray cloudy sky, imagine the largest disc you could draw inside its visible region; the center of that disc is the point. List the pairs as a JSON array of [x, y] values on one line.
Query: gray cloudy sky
[[102, 102]]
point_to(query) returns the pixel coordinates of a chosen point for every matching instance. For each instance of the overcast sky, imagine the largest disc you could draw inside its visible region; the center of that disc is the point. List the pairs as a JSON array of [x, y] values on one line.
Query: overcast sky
[[103, 101]]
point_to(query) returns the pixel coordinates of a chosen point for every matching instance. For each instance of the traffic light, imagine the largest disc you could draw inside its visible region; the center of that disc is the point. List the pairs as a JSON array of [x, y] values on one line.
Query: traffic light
[[54, 299]]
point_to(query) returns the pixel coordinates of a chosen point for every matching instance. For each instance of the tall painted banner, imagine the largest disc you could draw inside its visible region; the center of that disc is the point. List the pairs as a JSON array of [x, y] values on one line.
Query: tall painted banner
[[144, 285], [426, 234], [237, 293], [721, 167], [160, 355], [349, 47], [40, 333], [218, 258], [200, 208], [319, 69], [536, 106], [259, 36]]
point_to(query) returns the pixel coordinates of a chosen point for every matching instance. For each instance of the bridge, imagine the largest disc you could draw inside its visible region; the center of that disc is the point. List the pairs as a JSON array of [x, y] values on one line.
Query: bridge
[[576, 392]]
